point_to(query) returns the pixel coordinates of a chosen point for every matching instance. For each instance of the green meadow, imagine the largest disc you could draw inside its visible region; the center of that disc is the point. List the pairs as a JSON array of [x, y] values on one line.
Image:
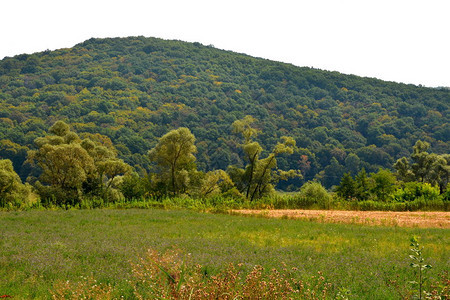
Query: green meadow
[[39, 248]]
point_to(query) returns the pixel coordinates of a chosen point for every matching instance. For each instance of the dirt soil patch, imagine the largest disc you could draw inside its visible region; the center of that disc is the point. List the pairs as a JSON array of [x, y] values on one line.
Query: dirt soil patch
[[380, 218]]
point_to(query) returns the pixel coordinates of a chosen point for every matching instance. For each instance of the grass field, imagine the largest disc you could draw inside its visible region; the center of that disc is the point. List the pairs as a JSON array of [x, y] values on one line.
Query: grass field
[[38, 248]]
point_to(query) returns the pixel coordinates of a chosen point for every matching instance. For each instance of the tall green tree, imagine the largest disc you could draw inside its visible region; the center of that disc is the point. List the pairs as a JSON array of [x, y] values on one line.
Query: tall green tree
[[424, 167], [64, 164], [441, 172], [332, 173], [383, 184], [107, 167], [175, 160], [422, 161], [347, 187], [251, 149], [215, 183], [362, 185], [71, 167], [404, 171], [11, 188], [260, 174]]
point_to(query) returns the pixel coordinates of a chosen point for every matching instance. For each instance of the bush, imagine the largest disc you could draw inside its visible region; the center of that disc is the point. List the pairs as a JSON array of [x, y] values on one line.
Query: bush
[[56, 196], [12, 192], [445, 196], [416, 190], [133, 187], [314, 194]]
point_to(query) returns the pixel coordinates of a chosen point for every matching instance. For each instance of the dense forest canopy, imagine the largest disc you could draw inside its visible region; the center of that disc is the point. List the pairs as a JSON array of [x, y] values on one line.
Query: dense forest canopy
[[131, 91]]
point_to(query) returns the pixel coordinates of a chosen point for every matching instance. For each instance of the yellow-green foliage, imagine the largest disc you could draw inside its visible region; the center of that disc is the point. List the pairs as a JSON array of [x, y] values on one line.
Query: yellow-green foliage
[[174, 156], [316, 193], [215, 183], [12, 191], [260, 175], [416, 190], [72, 167]]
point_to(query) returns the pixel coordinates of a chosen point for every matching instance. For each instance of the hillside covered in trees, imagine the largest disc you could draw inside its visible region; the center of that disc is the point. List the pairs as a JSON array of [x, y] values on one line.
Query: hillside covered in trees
[[128, 92]]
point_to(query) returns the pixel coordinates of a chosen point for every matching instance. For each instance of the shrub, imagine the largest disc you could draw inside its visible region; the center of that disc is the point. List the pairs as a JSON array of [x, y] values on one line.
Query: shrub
[[314, 194], [415, 190], [56, 196], [12, 192], [133, 187], [445, 196]]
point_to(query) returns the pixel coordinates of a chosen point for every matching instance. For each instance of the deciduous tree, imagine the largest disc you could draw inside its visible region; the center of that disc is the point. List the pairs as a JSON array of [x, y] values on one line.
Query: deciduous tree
[[11, 188], [258, 177], [174, 157], [347, 187], [383, 184], [424, 167], [71, 167]]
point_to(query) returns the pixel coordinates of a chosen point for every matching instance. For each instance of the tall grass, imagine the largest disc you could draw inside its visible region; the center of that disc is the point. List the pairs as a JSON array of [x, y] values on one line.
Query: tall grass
[[173, 275], [310, 198]]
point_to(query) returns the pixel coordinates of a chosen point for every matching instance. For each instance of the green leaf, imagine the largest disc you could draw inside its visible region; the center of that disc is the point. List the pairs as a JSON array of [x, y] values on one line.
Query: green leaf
[[170, 277]]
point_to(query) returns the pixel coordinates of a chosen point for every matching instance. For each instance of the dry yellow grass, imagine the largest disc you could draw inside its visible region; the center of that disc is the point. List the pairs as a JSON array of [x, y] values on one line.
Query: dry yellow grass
[[402, 219]]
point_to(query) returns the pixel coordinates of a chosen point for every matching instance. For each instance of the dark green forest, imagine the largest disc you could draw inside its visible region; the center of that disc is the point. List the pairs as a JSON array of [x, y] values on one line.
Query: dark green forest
[[128, 92]]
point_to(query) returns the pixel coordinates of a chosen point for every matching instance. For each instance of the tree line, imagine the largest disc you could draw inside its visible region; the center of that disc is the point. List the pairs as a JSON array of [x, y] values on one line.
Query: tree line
[[69, 168]]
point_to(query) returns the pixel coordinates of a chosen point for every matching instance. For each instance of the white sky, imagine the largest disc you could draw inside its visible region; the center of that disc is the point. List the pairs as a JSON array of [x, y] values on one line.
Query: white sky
[[396, 40]]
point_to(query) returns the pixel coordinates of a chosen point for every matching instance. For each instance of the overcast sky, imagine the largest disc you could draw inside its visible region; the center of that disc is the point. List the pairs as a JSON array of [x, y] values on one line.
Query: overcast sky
[[396, 40]]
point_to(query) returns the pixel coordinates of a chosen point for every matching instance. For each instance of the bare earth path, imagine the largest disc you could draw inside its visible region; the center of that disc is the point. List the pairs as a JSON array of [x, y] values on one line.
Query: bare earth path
[[385, 218]]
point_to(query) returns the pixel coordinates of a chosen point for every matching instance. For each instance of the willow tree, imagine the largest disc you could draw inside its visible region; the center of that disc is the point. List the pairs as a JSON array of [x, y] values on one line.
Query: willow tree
[[175, 160], [64, 165], [69, 165], [260, 175], [424, 167], [214, 183], [107, 167], [11, 188]]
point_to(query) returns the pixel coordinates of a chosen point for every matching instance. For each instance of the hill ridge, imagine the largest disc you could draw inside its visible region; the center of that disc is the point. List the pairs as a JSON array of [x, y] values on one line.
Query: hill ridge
[[135, 89]]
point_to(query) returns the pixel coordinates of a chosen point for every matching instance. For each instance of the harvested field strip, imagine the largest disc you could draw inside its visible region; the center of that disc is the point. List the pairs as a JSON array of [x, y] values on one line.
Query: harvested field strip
[[402, 219]]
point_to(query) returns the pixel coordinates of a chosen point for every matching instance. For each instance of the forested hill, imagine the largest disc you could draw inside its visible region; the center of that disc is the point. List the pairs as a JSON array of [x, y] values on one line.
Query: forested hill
[[134, 90]]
